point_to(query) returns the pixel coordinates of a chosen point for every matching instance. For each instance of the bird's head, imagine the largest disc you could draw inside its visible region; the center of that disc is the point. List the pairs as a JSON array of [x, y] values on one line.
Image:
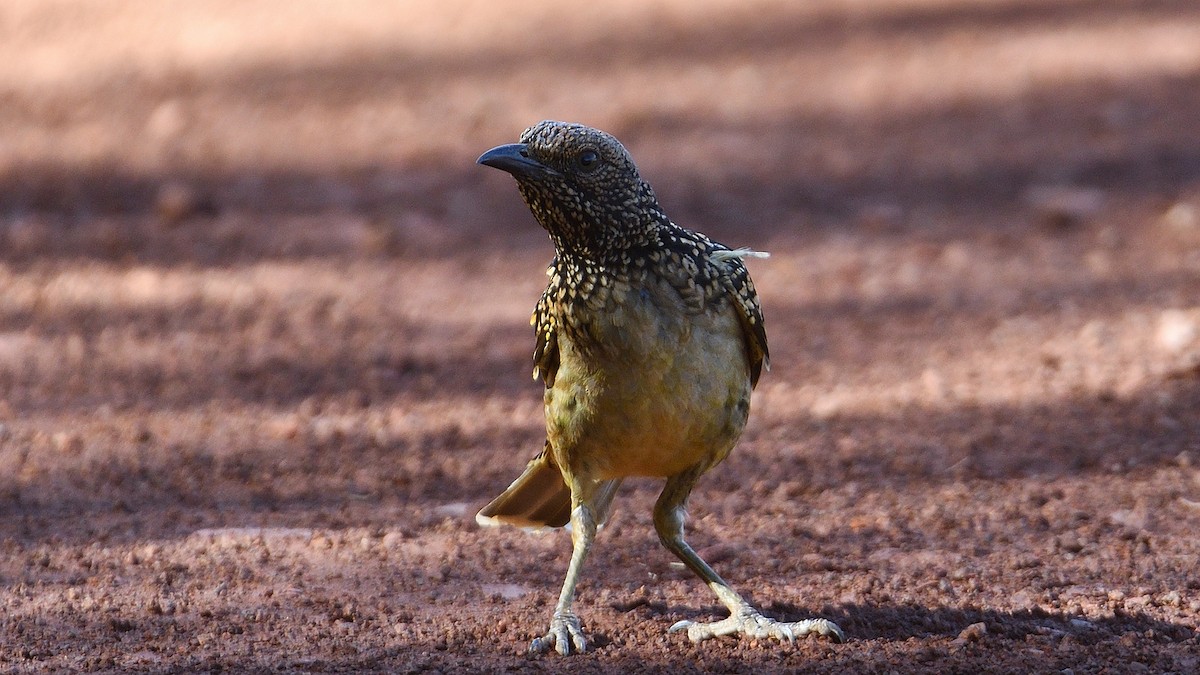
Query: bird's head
[[582, 186]]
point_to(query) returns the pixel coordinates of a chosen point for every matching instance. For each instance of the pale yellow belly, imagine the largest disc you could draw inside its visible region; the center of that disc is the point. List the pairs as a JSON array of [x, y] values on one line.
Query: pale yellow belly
[[667, 394]]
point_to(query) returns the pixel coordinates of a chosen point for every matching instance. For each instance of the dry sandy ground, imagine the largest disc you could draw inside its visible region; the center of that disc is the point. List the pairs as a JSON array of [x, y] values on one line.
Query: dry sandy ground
[[264, 351]]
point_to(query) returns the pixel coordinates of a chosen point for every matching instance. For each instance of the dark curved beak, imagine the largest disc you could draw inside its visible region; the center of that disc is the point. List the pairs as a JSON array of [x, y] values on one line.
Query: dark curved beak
[[514, 158]]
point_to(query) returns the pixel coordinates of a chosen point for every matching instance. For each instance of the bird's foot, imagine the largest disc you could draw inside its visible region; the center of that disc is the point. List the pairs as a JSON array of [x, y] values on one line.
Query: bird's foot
[[750, 622], [565, 636]]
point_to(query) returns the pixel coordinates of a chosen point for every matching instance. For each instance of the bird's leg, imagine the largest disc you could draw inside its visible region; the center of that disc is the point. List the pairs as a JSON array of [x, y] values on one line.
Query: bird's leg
[[566, 635], [743, 618]]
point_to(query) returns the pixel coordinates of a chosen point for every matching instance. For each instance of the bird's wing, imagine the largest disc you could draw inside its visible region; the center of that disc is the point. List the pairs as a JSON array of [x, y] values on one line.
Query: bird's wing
[[707, 272], [740, 289], [545, 325]]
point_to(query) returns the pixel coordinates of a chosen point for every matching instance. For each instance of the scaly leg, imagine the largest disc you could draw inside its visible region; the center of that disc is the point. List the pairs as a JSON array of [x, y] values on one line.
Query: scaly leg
[[566, 635], [743, 618]]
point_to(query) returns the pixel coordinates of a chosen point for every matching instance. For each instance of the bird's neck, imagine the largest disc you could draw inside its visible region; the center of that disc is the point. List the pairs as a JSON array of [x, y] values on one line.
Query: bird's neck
[[614, 247]]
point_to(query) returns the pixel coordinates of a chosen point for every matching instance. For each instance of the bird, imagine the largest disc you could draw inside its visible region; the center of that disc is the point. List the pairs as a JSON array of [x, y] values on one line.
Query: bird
[[649, 340]]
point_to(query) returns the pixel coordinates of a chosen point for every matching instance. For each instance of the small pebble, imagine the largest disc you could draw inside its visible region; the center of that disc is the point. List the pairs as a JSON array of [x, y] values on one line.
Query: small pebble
[[974, 632]]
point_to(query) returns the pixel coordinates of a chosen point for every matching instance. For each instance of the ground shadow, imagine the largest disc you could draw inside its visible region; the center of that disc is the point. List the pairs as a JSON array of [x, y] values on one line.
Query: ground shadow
[[299, 481]]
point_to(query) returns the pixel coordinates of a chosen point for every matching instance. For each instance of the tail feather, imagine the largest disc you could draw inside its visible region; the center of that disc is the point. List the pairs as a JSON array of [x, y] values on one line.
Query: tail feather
[[538, 498]]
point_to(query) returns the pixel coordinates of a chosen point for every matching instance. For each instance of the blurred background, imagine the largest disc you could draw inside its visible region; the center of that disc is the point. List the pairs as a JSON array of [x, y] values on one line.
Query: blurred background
[[251, 275], [767, 116]]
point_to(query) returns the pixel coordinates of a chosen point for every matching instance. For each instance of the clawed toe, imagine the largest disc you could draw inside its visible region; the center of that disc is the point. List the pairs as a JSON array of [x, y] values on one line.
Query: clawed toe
[[680, 625], [753, 624], [822, 627], [565, 637]]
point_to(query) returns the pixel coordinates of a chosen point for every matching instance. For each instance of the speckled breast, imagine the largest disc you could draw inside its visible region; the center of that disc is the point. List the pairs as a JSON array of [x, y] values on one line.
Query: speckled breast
[[648, 387]]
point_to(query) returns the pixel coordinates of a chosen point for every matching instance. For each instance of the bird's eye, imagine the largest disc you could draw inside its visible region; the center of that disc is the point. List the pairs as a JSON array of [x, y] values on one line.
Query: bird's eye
[[589, 159]]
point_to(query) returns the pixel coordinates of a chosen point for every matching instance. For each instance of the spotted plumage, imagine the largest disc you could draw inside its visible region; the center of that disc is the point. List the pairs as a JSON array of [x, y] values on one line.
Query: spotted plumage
[[609, 230], [649, 340]]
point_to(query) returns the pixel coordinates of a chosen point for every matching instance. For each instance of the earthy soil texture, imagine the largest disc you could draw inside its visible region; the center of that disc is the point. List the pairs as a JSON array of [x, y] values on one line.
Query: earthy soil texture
[[264, 345]]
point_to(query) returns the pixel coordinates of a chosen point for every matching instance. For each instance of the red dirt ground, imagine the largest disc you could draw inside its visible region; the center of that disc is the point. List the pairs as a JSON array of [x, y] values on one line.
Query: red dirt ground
[[264, 345]]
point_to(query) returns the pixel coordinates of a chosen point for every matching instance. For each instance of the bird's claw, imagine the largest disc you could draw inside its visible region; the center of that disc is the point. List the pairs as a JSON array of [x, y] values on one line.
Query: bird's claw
[[565, 636], [755, 625]]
